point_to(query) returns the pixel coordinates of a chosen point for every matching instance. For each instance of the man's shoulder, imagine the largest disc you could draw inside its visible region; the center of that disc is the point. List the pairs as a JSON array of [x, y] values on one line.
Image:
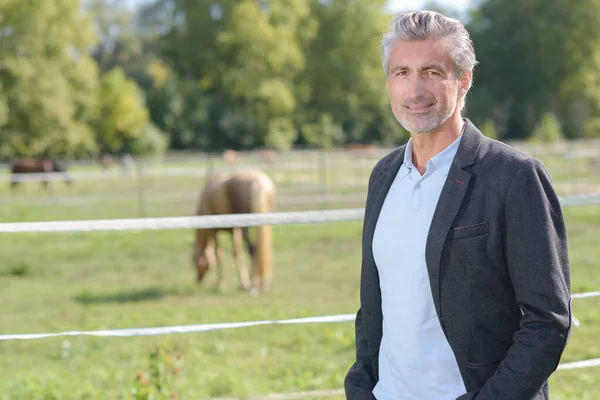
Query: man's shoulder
[[393, 157], [503, 157], [495, 156]]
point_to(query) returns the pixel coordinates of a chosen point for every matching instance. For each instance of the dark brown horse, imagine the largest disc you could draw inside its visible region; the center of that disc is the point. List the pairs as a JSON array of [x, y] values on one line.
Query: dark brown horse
[[244, 191], [21, 167]]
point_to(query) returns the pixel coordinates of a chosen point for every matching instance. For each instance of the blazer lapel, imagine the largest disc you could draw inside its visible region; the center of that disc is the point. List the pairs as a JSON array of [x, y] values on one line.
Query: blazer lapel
[[450, 201]]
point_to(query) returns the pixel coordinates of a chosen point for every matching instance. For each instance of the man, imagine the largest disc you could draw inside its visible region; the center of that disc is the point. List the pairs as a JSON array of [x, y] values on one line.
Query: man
[[465, 281]]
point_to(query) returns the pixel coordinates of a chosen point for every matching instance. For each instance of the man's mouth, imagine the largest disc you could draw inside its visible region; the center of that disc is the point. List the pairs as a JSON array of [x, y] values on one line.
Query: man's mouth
[[418, 108]]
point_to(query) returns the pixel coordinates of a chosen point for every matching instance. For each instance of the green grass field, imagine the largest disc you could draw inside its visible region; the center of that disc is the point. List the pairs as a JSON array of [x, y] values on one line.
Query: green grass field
[[114, 280]]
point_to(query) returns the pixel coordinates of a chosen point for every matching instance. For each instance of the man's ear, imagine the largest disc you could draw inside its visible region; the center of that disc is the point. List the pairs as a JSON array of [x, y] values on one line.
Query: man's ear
[[465, 81]]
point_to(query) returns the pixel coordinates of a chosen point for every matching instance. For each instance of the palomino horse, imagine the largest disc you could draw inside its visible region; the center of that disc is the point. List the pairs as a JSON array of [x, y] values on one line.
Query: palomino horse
[[32, 166], [244, 191]]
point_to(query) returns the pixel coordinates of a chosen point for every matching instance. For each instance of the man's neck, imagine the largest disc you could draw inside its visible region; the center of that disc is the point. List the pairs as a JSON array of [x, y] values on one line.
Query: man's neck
[[427, 145]]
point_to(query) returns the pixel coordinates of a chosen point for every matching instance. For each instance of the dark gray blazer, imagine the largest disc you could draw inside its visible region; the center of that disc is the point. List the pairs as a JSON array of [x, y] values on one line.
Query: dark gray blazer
[[497, 260]]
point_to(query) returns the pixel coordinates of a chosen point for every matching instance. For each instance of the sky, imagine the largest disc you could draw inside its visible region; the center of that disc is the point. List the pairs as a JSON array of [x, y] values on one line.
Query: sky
[[398, 5]]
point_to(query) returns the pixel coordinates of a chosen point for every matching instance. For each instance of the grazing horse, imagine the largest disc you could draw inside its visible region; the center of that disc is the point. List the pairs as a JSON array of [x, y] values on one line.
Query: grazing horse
[[33, 166], [244, 191]]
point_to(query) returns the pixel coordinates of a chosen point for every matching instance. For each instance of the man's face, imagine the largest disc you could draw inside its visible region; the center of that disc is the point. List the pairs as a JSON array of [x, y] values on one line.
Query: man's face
[[422, 85]]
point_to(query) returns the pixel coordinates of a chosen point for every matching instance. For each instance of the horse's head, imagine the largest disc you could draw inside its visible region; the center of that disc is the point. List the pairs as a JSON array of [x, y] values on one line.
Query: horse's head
[[199, 262]]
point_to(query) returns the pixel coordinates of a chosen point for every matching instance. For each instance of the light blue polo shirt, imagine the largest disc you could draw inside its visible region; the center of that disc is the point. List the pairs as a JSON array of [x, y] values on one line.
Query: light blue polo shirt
[[415, 359]]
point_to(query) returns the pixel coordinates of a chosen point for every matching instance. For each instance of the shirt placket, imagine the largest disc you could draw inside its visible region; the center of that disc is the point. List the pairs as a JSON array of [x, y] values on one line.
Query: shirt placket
[[418, 182]]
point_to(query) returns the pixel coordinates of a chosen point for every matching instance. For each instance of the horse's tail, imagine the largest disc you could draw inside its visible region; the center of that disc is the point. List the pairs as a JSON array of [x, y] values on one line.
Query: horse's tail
[[262, 201]]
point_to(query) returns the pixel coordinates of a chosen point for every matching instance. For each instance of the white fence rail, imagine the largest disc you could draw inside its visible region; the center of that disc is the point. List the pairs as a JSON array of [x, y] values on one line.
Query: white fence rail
[[218, 221], [203, 222], [196, 171], [165, 330]]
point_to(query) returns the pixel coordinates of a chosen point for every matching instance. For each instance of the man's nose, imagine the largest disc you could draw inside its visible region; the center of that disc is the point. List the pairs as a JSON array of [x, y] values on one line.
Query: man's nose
[[416, 88]]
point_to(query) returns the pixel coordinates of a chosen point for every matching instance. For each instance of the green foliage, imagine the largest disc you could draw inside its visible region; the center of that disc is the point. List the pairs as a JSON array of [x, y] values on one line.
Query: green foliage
[[274, 71], [536, 56], [35, 390], [122, 115], [592, 128], [180, 107], [489, 129], [324, 133], [548, 130], [46, 78], [159, 381], [125, 40], [53, 102], [19, 269], [76, 80], [265, 58], [344, 73], [152, 141]]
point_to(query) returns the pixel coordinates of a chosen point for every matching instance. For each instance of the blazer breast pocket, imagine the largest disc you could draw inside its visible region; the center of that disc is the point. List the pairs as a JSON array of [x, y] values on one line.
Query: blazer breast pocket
[[461, 232]]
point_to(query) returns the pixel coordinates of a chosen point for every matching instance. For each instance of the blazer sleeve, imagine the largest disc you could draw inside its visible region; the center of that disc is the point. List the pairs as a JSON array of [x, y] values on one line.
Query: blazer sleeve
[[360, 380], [538, 266]]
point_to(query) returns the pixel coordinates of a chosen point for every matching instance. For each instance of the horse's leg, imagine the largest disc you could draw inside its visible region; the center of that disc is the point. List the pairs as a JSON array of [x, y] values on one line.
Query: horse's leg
[[261, 259], [263, 256], [249, 244], [256, 273], [239, 262]]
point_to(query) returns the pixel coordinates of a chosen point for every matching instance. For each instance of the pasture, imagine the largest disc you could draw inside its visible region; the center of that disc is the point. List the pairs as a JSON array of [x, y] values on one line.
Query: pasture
[[53, 282]]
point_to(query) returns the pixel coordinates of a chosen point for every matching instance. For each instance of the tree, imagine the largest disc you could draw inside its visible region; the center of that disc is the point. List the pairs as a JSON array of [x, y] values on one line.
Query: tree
[[122, 116], [246, 56], [48, 81], [344, 75], [181, 108], [121, 41], [592, 128], [274, 73], [489, 129], [536, 57], [262, 45], [548, 130]]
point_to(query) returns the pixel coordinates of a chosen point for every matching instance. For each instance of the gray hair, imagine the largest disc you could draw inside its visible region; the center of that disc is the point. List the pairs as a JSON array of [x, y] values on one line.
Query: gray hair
[[423, 25]]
